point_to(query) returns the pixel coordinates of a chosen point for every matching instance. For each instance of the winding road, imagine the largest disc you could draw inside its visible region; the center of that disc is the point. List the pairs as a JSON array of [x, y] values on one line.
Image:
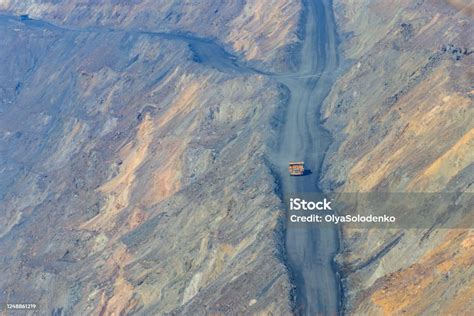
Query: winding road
[[311, 249]]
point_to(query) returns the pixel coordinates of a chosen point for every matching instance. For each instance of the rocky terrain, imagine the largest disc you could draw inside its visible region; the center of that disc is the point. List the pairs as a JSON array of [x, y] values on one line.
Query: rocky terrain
[[402, 119], [260, 33], [134, 176], [137, 153]]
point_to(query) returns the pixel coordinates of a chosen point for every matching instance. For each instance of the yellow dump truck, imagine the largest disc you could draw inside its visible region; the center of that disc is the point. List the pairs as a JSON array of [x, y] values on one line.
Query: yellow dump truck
[[296, 168]]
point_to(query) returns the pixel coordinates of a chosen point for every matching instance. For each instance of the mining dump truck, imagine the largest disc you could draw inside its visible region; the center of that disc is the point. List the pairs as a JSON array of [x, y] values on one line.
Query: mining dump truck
[[296, 168]]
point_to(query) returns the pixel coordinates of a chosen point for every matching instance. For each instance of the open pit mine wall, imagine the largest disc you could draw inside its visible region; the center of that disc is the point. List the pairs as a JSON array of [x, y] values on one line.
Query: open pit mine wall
[[402, 118], [133, 165]]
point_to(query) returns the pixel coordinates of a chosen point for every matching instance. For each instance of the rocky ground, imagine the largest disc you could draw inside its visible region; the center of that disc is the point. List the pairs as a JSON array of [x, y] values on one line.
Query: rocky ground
[[402, 120], [135, 174], [262, 34]]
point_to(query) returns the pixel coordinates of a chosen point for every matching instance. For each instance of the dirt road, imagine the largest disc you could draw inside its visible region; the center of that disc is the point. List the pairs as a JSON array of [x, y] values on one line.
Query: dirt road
[[310, 249]]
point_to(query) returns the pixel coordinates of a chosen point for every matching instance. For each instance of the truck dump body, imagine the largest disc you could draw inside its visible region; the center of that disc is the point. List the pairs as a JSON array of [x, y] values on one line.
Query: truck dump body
[[296, 168]]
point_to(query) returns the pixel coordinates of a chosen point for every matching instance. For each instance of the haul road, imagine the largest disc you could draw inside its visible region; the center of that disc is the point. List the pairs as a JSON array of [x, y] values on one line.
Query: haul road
[[310, 249]]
